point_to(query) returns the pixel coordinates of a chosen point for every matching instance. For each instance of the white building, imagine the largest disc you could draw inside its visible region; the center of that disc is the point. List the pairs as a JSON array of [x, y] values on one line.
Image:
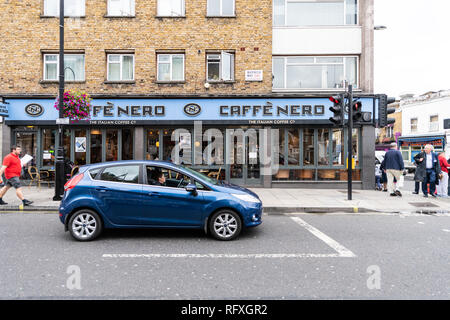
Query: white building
[[423, 122]]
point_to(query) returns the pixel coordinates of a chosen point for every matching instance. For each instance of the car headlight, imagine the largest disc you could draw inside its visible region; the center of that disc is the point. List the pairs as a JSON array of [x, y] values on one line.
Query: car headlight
[[246, 198]]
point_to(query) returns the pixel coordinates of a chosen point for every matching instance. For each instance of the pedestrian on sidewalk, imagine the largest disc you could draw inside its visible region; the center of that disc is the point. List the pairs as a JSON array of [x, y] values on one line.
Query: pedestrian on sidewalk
[[394, 166], [420, 172], [12, 168], [378, 175], [442, 189], [429, 160]]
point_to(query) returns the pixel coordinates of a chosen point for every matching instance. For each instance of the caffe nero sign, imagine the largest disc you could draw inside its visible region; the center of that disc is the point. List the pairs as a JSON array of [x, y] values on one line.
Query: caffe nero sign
[[172, 110]]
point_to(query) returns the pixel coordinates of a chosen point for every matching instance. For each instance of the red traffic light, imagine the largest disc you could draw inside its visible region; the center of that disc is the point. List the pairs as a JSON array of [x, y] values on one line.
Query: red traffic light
[[335, 99], [357, 106]]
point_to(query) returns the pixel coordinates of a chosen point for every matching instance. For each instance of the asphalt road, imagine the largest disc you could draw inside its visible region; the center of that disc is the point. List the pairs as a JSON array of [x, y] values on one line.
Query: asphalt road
[[309, 256]]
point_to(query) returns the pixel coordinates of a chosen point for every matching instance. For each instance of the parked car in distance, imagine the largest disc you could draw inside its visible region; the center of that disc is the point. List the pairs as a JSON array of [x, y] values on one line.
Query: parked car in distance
[[154, 194]]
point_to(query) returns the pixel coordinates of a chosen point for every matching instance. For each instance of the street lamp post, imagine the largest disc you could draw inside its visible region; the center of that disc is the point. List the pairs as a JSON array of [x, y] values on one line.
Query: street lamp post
[[59, 173]]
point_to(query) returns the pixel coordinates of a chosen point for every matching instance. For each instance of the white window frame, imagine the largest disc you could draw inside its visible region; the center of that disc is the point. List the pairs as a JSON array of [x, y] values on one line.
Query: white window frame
[[222, 54], [390, 132], [434, 125], [344, 18], [411, 125], [132, 13], [83, 14], [285, 64], [120, 67], [171, 56], [221, 10], [183, 13], [57, 66]]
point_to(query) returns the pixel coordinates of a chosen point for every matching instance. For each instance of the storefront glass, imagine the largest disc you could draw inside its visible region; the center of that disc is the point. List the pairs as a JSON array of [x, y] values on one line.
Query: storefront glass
[[67, 143], [48, 147], [96, 145], [308, 147], [293, 147], [127, 144], [112, 147], [323, 143], [27, 140], [338, 147], [80, 147], [152, 152]]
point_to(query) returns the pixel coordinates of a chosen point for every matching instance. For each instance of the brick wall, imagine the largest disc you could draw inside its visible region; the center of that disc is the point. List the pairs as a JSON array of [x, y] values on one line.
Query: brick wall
[[26, 35]]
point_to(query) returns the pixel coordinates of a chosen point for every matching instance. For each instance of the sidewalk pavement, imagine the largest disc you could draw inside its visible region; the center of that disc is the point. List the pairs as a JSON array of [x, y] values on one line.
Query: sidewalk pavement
[[278, 201]]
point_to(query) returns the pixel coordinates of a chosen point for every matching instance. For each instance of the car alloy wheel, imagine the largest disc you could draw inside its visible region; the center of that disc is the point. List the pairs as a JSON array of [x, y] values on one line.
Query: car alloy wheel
[[85, 225], [225, 225]]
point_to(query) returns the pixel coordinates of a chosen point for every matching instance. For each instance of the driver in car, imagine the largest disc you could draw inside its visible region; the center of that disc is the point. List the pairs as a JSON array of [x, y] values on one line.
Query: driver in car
[[160, 179]]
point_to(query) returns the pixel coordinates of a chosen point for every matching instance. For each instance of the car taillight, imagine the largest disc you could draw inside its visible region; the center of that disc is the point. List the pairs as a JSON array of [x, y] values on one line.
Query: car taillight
[[73, 182]]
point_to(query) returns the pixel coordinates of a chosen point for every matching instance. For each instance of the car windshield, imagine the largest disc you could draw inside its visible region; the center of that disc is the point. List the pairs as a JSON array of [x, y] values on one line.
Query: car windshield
[[201, 176]]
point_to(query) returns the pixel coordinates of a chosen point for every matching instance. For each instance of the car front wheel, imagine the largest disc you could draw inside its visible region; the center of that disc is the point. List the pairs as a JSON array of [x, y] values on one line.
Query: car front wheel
[[85, 225], [225, 225]]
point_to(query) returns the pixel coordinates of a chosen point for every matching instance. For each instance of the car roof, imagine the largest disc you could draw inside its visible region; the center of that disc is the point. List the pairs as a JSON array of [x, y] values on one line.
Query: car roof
[[114, 163]]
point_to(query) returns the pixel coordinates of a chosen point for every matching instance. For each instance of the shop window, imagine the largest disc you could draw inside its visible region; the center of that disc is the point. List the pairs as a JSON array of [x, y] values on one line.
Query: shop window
[[127, 144], [220, 66], [73, 67], [72, 8], [294, 175], [96, 146], [355, 141], [218, 8], [323, 144], [170, 67], [337, 151], [282, 144], [314, 72], [80, 147], [120, 67], [308, 147], [171, 8], [171, 138], [315, 13], [48, 147], [120, 8], [153, 144], [27, 140], [112, 146], [212, 147], [337, 175]]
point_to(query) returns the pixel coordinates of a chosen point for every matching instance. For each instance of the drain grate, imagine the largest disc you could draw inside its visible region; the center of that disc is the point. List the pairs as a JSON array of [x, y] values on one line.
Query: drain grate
[[423, 205]]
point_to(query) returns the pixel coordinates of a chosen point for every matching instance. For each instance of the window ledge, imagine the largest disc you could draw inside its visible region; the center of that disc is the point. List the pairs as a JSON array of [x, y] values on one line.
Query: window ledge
[[119, 17], [120, 82], [57, 81], [171, 17], [57, 17], [170, 82], [221, 81], [234, 16]]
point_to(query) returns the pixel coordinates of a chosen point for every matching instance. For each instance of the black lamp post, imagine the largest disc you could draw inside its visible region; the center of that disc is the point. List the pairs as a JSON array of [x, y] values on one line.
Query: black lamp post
[[59, 173]]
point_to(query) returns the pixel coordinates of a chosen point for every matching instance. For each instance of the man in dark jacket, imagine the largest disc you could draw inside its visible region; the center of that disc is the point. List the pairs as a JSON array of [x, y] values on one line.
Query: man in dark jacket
[[394, 166], [429, 168]]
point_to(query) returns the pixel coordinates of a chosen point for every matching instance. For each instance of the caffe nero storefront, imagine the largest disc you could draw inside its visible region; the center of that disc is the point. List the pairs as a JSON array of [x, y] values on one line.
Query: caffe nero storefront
[[311, 152]]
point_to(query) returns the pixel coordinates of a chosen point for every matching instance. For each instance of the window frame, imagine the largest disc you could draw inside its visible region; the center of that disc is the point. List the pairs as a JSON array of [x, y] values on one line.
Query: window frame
[[44, 63], [411, 125], [319, 1], [222, 53], [121, 55], [45, 6], [132, 11], [221, 10], [434, 123], [344, 66], [183, 13], [171, 56]]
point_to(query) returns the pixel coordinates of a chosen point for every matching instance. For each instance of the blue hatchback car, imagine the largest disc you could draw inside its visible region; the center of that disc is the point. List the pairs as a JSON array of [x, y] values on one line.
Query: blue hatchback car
[[154, 194]]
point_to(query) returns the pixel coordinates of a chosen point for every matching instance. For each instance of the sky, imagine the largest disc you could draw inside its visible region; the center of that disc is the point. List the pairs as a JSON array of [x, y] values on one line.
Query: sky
[[413, 54]]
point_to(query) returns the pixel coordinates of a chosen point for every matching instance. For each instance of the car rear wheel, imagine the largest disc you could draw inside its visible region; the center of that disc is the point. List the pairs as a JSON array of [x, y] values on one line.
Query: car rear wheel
[[85, 225], [225, 225]]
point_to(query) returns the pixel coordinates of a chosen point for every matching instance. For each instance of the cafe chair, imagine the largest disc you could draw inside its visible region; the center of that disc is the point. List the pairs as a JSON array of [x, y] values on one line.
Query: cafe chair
[[36, 177], [215, 174]]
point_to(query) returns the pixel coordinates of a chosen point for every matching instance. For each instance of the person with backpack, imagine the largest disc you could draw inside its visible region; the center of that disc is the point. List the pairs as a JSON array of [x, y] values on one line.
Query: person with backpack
[[394, 166]]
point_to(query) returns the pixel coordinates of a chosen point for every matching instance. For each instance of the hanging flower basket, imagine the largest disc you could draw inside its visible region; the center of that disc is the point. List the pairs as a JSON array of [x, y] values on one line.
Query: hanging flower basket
[[77, 105]]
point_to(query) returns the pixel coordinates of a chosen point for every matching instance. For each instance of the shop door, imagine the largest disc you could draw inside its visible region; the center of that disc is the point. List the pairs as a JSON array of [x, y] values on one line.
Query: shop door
[[245, 164], [28, 142]]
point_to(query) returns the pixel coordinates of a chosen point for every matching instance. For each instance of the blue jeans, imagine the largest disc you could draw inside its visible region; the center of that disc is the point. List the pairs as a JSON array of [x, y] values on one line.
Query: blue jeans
[[431, 179]]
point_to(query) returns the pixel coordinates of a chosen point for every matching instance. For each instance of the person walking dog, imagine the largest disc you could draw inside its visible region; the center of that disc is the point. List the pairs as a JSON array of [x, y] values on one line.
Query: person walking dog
[[394, 166], [429, 161], [12, 169]]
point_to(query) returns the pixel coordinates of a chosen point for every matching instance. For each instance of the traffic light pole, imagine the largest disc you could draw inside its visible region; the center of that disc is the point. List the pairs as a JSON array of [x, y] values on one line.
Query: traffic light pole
[[350, 142]]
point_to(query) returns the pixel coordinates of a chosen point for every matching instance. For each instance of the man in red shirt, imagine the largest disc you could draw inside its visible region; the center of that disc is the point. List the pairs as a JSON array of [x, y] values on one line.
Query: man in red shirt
[[442, 189], [12, 169]]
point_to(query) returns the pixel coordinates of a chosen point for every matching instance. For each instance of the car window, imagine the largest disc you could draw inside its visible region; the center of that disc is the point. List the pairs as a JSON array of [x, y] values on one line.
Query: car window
[[172, 178], [125, 174], [94, 172]]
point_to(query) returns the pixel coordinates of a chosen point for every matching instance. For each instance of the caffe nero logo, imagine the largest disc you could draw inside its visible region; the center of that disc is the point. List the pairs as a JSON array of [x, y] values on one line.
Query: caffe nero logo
[[192, 109], [34, 110]]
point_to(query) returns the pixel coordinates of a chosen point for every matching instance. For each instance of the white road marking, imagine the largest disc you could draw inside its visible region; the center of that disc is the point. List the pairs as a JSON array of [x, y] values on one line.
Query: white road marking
[[340, 249], [420, 222], [342, 252], [445, 230]]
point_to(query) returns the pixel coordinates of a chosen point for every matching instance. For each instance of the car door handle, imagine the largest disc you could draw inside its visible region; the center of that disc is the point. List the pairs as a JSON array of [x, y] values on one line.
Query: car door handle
[[101, 189], [154, 194]]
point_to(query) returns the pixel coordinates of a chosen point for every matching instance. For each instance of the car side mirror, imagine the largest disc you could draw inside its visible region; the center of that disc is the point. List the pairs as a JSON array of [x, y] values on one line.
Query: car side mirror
[[192, 188]]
